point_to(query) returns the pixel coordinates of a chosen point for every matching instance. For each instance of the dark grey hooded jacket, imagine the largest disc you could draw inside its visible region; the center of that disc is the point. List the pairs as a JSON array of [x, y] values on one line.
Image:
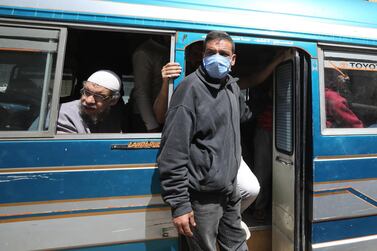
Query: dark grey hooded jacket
[[200, 146]]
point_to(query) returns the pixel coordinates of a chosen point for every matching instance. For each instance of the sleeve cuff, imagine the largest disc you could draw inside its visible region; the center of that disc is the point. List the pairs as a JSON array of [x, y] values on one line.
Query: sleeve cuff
[[182, 209]]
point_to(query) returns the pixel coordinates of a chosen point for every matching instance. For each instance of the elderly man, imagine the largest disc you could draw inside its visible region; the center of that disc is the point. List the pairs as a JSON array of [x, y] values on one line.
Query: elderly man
[[99, 109]]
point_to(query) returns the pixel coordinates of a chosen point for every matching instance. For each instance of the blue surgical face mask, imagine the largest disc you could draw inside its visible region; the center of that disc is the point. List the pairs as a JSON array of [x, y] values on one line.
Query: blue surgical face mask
[[217, 66]]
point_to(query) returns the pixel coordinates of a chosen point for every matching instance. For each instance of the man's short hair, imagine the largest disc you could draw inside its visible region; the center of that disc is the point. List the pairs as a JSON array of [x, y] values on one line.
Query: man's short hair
[[219, 35]]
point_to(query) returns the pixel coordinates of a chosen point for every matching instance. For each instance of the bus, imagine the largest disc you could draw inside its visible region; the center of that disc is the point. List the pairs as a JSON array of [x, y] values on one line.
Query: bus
[[101, 191]]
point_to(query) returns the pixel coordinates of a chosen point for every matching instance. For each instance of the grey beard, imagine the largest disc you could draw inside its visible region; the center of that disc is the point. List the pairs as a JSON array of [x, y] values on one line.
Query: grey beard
[[93, 119]]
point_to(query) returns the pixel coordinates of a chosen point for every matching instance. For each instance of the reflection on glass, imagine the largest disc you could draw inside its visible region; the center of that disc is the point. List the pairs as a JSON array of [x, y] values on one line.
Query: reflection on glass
[[350, 93], [21, 89]]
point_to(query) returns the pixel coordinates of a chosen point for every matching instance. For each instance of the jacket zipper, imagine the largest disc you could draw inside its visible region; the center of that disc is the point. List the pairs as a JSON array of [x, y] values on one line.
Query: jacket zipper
[[232, 122]]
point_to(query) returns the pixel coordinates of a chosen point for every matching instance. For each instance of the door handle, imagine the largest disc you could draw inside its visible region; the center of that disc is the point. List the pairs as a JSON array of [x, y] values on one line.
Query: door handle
[[284, 161]]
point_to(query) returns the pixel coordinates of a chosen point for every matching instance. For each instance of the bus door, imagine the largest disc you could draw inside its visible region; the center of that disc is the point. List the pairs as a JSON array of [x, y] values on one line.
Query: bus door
[[291, 128], [72, 191]]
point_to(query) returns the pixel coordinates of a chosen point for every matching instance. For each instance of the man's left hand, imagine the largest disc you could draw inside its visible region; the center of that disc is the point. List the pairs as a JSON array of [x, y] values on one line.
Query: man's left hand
[[184, 222]]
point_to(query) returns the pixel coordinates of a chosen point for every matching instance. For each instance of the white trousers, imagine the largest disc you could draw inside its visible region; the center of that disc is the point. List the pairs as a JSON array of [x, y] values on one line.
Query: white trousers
[[248, 185]]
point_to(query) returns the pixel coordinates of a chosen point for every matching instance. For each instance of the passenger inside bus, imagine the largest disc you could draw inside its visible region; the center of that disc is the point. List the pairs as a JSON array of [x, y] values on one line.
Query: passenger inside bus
[[99, 110], [147, 61], [193, 55], [338, 98], [169, 71]]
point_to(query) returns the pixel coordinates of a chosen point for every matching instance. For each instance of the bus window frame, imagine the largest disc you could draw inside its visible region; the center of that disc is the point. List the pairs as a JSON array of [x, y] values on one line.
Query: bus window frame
[[343, 51], [126, 136]]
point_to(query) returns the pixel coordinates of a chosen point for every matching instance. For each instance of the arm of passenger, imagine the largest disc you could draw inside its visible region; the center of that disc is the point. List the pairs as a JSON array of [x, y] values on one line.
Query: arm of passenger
[[142, 66], [174, 157], [259, 77], [160, 106], [343, 114]]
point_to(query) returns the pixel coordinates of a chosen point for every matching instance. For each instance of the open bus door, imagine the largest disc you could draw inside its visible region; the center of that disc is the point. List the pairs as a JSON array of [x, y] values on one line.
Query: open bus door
[[292, 127], [289, 151]]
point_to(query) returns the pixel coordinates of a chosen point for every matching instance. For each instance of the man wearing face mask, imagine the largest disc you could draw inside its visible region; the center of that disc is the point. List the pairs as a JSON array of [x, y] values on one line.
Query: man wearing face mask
[[200, 151]]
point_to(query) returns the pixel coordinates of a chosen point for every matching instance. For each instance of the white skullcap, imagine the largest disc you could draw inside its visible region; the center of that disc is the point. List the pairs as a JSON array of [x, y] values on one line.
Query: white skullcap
[[107, 79]]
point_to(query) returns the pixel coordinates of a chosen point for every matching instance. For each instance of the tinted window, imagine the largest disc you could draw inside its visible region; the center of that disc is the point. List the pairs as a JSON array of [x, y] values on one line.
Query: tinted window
[[284, 108]]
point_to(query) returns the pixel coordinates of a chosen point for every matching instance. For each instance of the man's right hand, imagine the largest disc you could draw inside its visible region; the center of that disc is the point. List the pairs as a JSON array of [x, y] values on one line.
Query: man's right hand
[[184, 223], [171, 70]]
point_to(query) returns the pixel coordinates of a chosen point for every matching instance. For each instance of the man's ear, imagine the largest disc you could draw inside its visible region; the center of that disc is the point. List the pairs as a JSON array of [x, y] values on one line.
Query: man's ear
[[233, 60], [114, 99]]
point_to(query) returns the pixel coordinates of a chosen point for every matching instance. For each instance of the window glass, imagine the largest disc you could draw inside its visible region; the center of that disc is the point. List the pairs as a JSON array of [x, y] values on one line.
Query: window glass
[[5, 72], [284, 108], [350, 90], [128, 84], [68, 83], [23, 74]]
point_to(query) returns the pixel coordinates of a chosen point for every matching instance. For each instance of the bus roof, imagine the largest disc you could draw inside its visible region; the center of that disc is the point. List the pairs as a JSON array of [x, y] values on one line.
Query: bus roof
[[339, 18], [362, 12]]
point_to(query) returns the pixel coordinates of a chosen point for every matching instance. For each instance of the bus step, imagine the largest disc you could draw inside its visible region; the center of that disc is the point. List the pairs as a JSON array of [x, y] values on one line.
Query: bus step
[[261, 237]]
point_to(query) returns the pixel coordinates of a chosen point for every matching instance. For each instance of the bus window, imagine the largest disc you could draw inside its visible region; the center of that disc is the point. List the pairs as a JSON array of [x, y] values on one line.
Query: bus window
[[350, 90], [26, 64], [136, 58]]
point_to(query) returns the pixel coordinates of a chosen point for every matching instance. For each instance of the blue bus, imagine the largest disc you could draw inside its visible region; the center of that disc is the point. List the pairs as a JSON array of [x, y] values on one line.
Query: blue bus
[[101, 191]]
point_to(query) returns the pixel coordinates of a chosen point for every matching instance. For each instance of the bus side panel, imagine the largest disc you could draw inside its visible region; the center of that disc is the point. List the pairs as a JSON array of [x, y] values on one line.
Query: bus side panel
[[167, 245], [344, 204], [344, 165], [50, 202]]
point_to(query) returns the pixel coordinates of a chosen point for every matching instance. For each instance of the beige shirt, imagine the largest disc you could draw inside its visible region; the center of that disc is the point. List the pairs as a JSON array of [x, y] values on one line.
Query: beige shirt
[[148, 60]]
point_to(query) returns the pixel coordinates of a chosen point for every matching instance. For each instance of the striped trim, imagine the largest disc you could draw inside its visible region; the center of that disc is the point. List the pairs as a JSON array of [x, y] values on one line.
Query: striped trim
[[108, 245], [344, 190], [76, 168], [343, 181], [62, 215], [337, 230], [327, 193], [340, 157], [78, 200], [343, 242]]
